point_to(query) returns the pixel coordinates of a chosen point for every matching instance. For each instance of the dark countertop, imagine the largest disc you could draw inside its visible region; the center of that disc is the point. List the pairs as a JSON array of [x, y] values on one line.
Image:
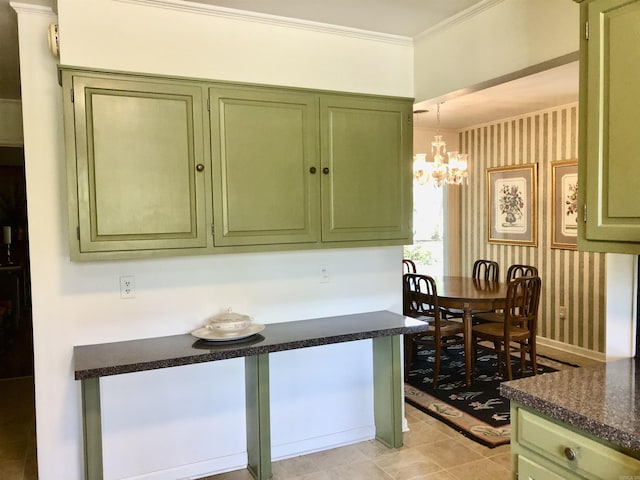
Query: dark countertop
[[99, 360], [602, 400]]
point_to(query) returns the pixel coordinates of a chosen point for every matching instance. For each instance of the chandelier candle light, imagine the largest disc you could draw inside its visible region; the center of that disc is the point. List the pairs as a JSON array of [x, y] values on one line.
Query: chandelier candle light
[[452, 171]]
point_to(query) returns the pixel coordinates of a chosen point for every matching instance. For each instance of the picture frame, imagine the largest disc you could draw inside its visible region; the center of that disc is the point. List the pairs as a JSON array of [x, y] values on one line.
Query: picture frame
[[564, 204], [512, 216]]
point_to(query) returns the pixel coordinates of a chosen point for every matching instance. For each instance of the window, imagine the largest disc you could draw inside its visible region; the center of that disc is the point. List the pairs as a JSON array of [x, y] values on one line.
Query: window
[[427, 250]]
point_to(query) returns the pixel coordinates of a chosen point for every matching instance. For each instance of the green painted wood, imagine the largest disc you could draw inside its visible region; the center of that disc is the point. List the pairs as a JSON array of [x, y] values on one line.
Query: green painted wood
[[133, 144], [543, 441], [92, 428], [137, 148], [387, 390], [366, 149], [609, 144], [263, 148], [258, 416]]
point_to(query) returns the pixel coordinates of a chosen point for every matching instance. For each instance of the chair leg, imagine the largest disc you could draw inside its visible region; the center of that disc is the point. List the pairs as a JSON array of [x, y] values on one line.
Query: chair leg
[[533, 354], [436, 369], [409, 347], [507, 360]]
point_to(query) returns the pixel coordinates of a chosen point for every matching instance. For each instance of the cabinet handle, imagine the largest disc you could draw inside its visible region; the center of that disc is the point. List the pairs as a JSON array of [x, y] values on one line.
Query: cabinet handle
[[570, 453], [199, 167], [325, 170], [312, 170]]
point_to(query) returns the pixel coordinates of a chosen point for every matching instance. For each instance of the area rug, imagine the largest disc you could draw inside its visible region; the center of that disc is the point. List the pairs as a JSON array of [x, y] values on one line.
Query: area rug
[[477, 411]]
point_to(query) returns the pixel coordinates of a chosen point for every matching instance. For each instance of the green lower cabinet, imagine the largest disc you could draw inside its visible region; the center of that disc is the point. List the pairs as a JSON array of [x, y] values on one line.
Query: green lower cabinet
[[530, 470], [545, 449], [367, 170]]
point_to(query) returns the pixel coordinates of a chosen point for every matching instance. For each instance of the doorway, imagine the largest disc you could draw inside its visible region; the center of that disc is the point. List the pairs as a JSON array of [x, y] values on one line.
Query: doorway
[[16, 339], [17, 405]]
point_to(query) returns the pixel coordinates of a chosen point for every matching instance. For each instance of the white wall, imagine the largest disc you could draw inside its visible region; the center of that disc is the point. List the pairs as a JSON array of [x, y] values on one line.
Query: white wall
[[508, 36], [622, 283], [189, 421]]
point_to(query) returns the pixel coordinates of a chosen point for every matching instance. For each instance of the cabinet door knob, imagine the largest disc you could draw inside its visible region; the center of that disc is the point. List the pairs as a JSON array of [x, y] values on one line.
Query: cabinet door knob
[[199, 167], [325, 170], [570, 453], [312, 170]]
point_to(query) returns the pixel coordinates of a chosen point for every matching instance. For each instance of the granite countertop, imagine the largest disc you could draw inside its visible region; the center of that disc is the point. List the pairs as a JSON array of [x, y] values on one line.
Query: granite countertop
[[99, 360], [602, 400]]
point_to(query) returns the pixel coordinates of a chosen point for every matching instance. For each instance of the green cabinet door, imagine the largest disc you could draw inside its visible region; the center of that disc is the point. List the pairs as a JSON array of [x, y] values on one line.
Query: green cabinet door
[[611, 170], [266, 173], [137, 163], [366, 148]]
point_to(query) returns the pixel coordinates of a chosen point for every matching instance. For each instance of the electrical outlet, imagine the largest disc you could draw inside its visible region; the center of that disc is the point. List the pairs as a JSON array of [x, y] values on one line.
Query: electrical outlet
[[324, 274], [127, 286], [562, 311]]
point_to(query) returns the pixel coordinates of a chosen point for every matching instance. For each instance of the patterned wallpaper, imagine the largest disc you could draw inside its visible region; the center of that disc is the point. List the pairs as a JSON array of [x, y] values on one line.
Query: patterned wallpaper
[[575, 280]]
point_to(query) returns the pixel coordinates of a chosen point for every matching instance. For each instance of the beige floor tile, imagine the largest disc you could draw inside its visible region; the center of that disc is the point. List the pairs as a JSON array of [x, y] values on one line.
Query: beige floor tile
[[442, 475], [483, 469], [329, 459], [295, 467], [412, 468], [375, 449], [426, 434], [359, 471], [449, 452], [502, 459]]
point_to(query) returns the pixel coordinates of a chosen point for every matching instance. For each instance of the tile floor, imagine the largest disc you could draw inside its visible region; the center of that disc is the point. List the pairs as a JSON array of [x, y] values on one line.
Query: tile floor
[[431, 451]]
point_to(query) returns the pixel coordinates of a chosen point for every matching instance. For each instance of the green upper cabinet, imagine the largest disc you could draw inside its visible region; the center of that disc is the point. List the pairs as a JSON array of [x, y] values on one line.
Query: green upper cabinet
[[265, 177], [609, 163], [366, 147], [136, 164], [271, 168]]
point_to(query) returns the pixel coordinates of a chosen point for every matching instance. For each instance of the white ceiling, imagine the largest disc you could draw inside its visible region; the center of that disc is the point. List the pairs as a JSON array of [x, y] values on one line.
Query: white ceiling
[[407, 18]]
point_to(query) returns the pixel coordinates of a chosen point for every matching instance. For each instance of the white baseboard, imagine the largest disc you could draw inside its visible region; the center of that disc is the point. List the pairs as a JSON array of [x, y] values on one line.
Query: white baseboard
[[318, 444], [566, 352], [230, 463], [198, 470]]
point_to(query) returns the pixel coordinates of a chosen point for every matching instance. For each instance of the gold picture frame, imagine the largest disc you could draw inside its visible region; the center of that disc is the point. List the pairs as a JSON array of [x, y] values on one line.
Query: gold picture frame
[[512, 215], [564, 204]]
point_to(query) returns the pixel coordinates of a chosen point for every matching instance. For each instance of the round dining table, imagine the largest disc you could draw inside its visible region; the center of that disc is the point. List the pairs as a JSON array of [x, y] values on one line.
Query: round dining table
[[470, 295]]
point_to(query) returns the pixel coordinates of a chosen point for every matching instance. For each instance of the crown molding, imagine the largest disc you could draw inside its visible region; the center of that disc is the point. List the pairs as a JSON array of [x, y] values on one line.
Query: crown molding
[[247, 16], [460, 17], [21, 7]]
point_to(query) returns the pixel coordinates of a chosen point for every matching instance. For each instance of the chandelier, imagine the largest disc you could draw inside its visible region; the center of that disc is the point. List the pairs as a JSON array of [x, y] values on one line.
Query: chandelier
[[447, 167]]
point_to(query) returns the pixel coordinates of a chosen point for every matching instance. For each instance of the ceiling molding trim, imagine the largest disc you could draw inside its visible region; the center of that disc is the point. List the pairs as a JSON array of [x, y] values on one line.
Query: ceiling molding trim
[[20, 7], [462, 16], [244, 15]]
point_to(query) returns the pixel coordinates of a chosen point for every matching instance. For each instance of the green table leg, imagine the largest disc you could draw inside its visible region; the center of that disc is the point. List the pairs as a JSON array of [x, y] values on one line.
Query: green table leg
[[258, 416], [92, 429], [387, 390]]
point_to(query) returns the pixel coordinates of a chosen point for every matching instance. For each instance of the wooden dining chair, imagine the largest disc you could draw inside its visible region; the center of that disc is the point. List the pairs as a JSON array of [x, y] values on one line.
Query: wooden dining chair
[[408, 266], [486, 270], [517, 331], [420, 300], [517, 270], [513, 272]]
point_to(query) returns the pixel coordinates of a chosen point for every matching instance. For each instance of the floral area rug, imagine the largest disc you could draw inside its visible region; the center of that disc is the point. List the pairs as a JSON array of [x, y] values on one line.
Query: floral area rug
[[477, 411]]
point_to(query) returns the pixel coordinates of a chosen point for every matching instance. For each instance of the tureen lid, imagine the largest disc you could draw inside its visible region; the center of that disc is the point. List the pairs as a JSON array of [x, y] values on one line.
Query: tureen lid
[[229, 317]]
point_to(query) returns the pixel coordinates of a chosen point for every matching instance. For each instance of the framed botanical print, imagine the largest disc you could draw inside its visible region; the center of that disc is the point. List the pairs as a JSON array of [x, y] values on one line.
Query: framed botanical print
[[512, 205], [564, 204]]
